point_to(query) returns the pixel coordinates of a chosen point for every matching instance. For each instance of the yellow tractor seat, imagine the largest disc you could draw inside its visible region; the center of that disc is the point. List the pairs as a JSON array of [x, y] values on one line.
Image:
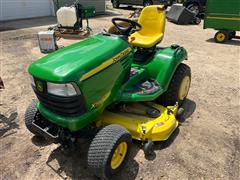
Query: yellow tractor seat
[[152, 20]]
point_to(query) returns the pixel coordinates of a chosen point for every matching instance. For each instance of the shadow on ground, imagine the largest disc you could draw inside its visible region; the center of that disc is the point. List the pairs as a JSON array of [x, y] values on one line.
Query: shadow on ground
[[73, 163], [40, 141], [8, 124], [189, 107], [235, 42]]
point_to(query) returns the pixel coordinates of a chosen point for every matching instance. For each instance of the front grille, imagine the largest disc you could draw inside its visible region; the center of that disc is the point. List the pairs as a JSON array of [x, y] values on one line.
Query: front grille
[[66, 106]]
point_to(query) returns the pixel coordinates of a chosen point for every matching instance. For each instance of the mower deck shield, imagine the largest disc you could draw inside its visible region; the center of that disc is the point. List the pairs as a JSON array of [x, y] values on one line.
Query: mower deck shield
[[143, 127]]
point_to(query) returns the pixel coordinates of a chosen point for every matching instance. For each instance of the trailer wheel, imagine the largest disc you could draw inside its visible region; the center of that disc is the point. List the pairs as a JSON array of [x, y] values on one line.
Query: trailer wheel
[[221, 36], [232, 34], [178, 87], [109, 151], [30, 114]]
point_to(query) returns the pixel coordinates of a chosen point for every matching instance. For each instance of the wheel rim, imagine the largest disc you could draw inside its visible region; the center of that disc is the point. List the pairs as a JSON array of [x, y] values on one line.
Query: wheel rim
[[184, 88], [119, 155], [220, 37]]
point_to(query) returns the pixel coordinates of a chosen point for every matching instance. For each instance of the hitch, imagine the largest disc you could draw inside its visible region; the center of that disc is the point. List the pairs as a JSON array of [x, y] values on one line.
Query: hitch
[[46, 129]]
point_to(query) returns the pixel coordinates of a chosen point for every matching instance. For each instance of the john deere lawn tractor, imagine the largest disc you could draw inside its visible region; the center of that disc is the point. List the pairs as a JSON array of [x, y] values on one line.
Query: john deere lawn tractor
[[117, 87]]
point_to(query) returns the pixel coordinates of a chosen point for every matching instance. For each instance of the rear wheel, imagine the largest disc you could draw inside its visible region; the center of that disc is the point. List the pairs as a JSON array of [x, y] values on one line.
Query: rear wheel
[[30, 115], [147, 3], [178, 87], [115, 3], [109, 151], [221, 36]]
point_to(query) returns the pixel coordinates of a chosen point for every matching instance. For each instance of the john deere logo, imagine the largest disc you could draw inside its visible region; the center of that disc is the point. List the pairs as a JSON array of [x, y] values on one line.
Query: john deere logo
[[39, 86]]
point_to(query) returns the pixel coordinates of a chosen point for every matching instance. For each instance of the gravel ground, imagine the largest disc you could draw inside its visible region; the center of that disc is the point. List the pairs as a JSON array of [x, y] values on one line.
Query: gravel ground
[[205, 146]]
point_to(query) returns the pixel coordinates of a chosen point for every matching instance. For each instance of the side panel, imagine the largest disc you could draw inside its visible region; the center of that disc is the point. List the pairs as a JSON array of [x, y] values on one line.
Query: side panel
[[222, 14], [103, 86]]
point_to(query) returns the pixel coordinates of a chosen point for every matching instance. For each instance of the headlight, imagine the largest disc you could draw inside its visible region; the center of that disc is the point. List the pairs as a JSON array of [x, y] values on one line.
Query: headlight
[[32, 81], [61, 89]]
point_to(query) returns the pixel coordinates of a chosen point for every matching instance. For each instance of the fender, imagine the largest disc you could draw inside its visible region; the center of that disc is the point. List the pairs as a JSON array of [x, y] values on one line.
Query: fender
[[165, 63], [161, 68]]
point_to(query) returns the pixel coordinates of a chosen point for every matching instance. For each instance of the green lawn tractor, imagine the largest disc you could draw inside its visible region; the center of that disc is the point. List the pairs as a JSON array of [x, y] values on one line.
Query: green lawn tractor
[[117, 87]]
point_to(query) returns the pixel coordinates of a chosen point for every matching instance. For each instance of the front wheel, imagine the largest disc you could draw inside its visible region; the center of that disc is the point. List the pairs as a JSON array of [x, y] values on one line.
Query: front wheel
[[232, 34], [109, 151], [178, 87], [30, 115]]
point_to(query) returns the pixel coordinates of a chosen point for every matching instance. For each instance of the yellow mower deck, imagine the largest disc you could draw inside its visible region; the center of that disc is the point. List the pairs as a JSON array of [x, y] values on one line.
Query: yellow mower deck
[[141, 126]]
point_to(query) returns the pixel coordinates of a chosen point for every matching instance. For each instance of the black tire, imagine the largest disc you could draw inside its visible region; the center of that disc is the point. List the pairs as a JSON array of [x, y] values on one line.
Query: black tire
[[231, 35], [30, 115], [221, 36], [197, 21], [102, 148], [115, 3], [194, 8], [147, 3], [171, 96]]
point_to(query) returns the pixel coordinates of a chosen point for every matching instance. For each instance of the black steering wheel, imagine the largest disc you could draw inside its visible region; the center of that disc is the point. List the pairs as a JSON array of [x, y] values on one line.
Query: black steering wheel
[[126, 30]]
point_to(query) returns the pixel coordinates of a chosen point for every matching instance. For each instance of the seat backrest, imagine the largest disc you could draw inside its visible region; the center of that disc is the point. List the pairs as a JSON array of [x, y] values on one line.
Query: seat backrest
[[152, 19]]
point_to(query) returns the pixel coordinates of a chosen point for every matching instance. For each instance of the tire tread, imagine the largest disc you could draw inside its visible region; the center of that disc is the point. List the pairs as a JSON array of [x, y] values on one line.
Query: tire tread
[[30, 114], [170, 97], [102, 146]]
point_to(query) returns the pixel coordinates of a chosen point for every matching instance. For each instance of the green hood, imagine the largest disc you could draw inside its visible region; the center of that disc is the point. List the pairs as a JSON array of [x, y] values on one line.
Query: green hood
[[70, 63]]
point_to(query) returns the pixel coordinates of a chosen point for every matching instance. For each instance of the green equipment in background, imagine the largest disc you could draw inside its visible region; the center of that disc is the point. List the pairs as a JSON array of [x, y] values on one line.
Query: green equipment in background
[[223, 16], [89, 11]]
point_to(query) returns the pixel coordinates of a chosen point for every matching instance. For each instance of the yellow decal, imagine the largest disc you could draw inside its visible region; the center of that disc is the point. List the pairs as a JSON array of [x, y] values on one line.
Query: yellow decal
[[103, 99], [106, 64], [223, 18]]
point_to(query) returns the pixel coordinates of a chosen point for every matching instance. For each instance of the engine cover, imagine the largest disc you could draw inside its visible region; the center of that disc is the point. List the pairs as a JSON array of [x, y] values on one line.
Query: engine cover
[[67, 16]]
